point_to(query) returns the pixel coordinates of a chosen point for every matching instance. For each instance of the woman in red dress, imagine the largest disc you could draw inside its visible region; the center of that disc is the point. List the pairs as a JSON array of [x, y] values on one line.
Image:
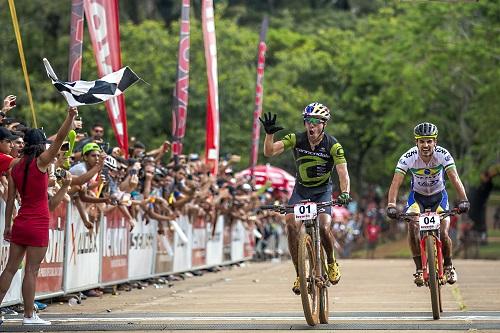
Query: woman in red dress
[[29, 234]]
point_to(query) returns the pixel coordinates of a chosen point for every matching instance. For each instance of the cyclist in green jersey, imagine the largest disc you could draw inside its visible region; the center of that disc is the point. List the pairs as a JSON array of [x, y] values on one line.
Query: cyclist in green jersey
[[316, 153]]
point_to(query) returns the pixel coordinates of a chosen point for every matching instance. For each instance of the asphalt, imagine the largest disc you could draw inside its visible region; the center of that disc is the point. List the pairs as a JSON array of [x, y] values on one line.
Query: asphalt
[[373, 295]]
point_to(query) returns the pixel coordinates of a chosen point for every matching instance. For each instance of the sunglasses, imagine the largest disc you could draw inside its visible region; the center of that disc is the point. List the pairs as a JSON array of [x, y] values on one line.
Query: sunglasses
[[314, 121]]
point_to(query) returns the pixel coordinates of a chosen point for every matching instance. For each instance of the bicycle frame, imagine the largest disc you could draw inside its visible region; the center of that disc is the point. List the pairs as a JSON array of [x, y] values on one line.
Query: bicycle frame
[[439, 256], [312, 228]]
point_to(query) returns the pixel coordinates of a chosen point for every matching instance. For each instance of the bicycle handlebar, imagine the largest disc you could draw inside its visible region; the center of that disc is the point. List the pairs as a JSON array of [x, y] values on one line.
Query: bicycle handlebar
[[444, 214], [282, 209]]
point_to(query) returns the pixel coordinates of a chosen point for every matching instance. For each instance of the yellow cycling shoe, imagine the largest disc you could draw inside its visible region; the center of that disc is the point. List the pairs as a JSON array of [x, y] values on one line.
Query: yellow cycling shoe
[[296, 286], [334, 273]]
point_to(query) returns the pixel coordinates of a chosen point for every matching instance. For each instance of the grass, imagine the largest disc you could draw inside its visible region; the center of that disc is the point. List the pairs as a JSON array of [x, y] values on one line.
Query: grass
[[399, 249]]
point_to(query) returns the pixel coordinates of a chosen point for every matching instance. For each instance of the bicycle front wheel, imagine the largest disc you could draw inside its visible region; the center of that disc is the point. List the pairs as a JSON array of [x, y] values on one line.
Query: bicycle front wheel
[[430, 249], [309, 292]]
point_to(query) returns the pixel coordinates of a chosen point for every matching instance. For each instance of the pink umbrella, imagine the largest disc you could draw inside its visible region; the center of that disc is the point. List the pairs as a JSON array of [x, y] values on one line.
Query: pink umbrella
[[279, 178]]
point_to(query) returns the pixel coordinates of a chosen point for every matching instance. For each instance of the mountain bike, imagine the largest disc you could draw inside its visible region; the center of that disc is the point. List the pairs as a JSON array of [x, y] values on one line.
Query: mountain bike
[[431, 253], [312, 263]]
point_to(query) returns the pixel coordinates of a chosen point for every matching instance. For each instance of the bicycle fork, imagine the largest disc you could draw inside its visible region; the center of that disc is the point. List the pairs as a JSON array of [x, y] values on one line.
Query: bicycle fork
[[439, 257]]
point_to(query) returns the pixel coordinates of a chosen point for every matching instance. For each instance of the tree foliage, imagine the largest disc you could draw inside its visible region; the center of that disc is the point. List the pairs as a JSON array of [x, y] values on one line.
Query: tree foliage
[[382, 67]]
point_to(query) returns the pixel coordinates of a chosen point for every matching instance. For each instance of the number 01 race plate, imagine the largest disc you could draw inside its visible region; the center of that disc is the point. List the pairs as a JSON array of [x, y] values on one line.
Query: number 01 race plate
[[305, 211]]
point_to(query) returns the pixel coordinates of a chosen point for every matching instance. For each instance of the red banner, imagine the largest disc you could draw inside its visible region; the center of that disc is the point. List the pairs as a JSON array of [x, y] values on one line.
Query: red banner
[[212, 126], [103, 23], [181, 92], [115, 248], [50, 275], [76, 41], [259, 94]]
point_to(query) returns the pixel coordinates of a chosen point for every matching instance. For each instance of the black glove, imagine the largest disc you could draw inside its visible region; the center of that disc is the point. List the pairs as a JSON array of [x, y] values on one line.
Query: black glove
[[344, 198], [269, 123], [392, 212], [463, 206]]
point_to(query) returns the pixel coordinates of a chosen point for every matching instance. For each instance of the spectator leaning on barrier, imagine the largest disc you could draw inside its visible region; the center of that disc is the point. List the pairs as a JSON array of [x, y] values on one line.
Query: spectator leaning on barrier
[[29, 235]]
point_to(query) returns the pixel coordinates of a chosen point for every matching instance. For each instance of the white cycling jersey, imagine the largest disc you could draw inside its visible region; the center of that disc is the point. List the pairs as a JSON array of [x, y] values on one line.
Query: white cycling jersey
[[426, 178]]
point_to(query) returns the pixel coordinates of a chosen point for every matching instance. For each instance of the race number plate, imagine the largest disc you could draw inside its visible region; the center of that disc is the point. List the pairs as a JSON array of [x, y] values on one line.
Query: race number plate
[[429, 221], [305, 211]]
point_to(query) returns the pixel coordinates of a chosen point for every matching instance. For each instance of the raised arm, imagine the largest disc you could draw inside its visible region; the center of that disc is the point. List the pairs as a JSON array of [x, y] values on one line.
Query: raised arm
[[48, 155], [271, 148]]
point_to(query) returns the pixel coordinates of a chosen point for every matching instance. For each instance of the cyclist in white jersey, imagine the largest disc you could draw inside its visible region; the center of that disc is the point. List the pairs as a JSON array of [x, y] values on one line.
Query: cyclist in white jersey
[[427, 162]]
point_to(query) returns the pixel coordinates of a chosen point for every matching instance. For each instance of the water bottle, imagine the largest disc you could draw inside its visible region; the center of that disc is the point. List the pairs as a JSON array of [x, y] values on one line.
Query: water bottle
[[72, 301]]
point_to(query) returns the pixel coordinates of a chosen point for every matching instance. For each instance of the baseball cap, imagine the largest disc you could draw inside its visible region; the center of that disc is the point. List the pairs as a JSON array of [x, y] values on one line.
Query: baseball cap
[[35, 136], [5, 134], [90, 147]]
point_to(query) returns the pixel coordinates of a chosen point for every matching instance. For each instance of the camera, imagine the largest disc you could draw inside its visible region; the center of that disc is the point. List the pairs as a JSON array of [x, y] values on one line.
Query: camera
[[60, 173]]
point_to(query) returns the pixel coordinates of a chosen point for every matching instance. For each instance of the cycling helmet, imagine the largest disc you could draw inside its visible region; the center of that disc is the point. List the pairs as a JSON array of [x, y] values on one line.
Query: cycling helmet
[[110, 163], [90, 147], [316, 110], [425, 130]]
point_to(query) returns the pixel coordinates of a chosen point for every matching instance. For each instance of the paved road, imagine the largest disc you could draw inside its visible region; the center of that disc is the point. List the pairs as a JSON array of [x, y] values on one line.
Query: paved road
[[375, 295]]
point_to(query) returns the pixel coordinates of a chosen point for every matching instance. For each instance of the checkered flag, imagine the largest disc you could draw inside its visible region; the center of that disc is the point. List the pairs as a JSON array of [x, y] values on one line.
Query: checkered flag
[[92, 92]]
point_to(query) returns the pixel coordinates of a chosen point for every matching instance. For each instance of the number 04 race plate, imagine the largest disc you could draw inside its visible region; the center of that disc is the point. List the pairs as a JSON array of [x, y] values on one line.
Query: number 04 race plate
[[305, 211], [429, 221]]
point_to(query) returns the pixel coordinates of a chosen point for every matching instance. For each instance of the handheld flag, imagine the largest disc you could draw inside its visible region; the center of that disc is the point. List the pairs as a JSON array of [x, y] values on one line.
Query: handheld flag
[[92, 92]]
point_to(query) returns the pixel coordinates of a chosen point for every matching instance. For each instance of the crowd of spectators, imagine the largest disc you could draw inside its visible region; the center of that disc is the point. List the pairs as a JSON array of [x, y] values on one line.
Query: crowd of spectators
[[143, 184]]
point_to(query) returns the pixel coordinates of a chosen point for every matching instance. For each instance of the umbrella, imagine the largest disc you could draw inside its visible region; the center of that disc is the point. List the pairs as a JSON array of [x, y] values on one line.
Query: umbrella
[[279, 178]]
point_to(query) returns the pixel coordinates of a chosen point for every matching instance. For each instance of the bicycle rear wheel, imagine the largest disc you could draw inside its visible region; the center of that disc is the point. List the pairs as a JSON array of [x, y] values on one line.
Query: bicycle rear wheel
[[309, 292], [430, 249], [324, 309]]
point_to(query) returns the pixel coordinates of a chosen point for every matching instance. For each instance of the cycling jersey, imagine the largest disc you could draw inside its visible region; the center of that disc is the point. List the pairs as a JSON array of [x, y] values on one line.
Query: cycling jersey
[[426, 178], [314, 167]]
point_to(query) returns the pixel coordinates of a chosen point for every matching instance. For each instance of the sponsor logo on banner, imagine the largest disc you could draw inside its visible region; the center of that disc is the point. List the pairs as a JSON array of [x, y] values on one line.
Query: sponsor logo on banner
[[50, 275], [102, 18], [115, 247]]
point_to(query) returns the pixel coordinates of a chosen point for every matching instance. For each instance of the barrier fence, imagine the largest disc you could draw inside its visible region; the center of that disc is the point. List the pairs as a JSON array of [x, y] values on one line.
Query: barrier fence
[[78, 260]]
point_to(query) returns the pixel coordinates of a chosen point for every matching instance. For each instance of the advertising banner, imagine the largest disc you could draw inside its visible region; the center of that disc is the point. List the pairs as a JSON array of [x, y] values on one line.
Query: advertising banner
[[141, 255], [259, 94], [164, 248], [226, 241], [13, 295], [50, 276], [76, 40], [182, 249], [249, 244], [81, 264], [114, 265], [181, 92], [212, 125], [214, 242], [103, 23], [199, 242], [238, 235]]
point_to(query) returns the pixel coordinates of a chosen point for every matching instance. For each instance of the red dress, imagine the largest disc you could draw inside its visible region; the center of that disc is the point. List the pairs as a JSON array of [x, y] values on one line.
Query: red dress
[[31, 225]]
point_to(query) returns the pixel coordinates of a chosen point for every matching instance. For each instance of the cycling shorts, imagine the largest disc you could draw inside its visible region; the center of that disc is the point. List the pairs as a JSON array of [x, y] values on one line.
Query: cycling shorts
[[418, 203], [314, 197]]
